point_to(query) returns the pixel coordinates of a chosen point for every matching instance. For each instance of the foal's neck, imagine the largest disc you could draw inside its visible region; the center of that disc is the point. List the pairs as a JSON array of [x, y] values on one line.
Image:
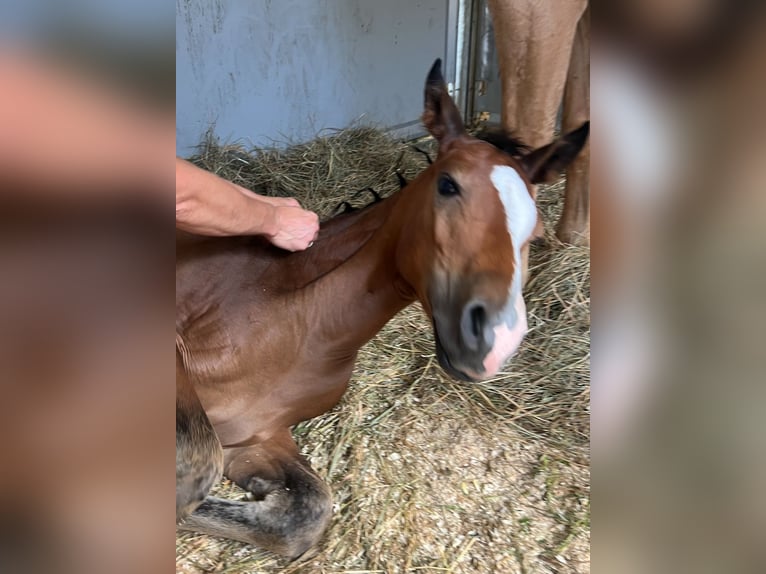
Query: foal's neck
[[360, 296]]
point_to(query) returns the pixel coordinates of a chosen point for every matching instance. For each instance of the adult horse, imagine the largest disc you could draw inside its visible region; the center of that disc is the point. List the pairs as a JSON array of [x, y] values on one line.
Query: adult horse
[[266, 339], [543, 49]]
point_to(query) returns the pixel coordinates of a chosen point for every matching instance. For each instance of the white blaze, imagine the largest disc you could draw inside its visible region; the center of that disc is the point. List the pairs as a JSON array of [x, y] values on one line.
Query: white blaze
[[520, 218]]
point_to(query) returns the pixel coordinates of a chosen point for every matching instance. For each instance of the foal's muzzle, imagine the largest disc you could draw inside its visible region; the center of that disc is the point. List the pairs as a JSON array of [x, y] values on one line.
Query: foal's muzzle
[[474, 340], [464, 336]]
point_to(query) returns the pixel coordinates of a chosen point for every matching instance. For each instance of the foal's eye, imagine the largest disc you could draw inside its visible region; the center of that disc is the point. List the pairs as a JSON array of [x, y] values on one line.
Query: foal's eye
[[447, 185]]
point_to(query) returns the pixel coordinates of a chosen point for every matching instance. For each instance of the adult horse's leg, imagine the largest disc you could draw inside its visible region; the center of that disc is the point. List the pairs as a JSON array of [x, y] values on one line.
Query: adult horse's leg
[[199, 457], [534, 43], [574, 225], [291, 505]]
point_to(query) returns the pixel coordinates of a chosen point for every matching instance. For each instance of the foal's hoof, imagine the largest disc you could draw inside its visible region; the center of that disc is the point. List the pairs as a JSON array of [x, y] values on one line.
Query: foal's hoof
[[258, 488]]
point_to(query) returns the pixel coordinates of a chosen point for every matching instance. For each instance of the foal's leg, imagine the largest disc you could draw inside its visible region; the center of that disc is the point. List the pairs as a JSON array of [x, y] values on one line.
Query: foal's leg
[[199, 457], [574, 225], [291, 505]]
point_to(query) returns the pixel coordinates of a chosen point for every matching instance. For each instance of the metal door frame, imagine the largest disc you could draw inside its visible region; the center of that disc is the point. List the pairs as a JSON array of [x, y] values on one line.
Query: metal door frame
[[477, 59], [458, 65]]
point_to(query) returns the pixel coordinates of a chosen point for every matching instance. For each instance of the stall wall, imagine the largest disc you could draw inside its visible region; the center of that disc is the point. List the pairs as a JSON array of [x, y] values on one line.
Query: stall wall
[[284, 70]]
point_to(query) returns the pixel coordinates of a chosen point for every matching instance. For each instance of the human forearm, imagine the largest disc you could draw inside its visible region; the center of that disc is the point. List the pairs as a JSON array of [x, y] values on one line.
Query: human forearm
[[209, 205]]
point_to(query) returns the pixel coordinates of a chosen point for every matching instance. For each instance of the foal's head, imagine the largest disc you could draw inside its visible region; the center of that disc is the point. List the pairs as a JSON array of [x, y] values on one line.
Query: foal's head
[[461, 246]]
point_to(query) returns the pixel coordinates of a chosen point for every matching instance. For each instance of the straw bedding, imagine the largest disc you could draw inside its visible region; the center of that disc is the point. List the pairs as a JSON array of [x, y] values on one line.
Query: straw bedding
[[431, 474]]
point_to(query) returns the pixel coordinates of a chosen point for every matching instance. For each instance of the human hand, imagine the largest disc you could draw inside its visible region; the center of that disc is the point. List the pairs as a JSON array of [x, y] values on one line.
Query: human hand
[[296, 228], [286, 224]]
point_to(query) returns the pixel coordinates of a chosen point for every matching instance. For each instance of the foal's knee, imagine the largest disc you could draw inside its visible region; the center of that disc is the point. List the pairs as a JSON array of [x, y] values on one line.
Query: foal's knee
[[291, 512], [289, 520], [296, 513], [308, 516], [199, 460]]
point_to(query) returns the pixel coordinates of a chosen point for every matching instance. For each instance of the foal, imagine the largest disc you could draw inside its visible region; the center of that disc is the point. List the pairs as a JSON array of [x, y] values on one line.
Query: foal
[[266, 339]]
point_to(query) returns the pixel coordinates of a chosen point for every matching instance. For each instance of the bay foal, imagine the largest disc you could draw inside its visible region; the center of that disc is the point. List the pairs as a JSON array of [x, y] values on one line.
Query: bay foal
[[266, 339]]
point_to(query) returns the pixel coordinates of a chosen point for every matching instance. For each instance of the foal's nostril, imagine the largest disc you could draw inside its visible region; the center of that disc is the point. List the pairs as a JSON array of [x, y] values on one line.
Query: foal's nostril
[[472, 324], [478, 317]]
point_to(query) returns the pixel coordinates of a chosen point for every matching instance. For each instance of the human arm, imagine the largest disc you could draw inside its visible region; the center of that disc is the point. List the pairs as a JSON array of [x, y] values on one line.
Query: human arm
[[209, 205]]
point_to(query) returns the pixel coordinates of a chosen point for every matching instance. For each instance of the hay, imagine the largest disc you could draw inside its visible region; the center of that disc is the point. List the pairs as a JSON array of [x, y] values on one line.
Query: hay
[[430, 474], [321, 173]]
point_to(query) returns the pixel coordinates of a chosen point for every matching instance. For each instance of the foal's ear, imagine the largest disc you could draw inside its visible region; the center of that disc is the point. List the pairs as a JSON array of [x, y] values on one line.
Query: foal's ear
[[544, 164], [440, 115]]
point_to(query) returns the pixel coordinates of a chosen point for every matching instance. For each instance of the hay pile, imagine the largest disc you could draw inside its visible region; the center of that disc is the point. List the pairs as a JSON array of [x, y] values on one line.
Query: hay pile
[[431, 474]]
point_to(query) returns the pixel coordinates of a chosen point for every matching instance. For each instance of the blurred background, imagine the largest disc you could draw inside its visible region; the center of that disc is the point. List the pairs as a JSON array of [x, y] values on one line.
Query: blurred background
[[86, 288], [679, 268]]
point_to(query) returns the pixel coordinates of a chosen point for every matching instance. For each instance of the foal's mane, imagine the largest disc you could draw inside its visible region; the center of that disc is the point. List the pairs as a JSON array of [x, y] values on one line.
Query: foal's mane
[[503, 140]]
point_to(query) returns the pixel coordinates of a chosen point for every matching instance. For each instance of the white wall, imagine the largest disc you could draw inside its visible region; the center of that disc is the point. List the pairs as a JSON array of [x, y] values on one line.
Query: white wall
[[261, 70]]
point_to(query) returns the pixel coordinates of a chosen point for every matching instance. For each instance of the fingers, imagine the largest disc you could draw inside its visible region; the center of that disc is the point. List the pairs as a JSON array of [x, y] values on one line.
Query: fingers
[[298, 228]]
